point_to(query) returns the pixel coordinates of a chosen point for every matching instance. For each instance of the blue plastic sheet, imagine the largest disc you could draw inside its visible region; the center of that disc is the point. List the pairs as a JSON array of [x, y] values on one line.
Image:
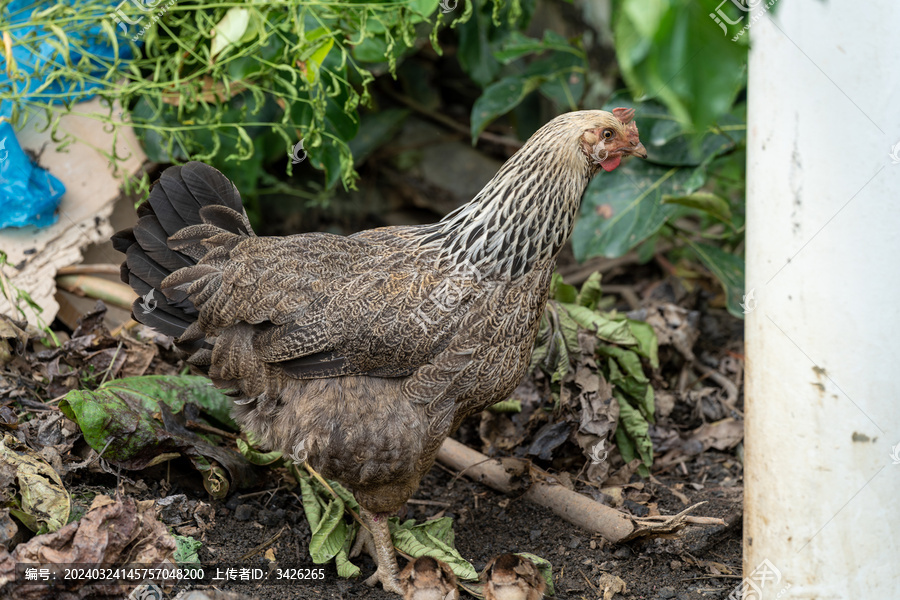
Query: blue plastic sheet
[[30, 195]]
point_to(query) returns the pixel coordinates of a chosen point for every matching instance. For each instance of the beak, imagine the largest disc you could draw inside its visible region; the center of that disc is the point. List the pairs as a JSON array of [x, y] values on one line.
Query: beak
[[638, 150]]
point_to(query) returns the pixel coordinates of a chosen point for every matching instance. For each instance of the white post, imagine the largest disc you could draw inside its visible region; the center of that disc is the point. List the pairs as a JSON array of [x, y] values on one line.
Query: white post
[[822, 496]]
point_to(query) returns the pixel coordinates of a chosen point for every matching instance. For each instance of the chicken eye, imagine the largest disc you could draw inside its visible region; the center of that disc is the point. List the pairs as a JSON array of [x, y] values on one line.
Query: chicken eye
[[608, 133]]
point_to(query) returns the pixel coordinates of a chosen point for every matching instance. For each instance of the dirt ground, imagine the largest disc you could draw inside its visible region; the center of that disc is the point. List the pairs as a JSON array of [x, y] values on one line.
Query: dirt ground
[[702, 562]]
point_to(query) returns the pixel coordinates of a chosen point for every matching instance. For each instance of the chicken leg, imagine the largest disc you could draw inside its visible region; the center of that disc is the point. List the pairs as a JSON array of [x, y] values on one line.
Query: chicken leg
[[388, 570]]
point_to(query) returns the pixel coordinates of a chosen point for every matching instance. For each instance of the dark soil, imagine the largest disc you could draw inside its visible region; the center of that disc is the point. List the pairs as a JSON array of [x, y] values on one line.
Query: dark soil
[[702, 562]]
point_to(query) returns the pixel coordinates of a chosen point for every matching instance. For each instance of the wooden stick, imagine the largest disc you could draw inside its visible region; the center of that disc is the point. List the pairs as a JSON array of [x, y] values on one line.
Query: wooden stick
[[111, 292], [90, 269], [571, 506]]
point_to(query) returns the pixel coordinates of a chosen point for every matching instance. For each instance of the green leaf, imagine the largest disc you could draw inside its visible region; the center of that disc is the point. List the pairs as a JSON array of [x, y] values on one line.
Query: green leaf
[[615, 331], [623, 208], [517, 45], [431, 538], [669, 144], [326, 521], [627, 374], [475, 56], [135, 422], [711, 203], [345, 568], [590, 292], [315, 60], [186, 550], [376, 130], [647, 343], [635, 427], [256, 457], [728, 269], [500, 98], [673, 50]]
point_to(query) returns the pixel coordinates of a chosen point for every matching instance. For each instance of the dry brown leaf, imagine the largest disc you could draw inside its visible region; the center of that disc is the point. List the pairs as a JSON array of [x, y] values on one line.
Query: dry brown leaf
[[610, 585], [121, 532], [721, 435]]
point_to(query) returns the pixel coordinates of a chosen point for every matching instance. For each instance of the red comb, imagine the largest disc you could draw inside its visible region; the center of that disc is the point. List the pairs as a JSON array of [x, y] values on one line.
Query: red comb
[[623, 114]]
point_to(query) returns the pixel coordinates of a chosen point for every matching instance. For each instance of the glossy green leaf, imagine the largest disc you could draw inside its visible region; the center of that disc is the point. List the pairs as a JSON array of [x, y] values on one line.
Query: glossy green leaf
[[728, 269], [710, 203], [623, 208], [498, 99], [674, 51], [517, 45]]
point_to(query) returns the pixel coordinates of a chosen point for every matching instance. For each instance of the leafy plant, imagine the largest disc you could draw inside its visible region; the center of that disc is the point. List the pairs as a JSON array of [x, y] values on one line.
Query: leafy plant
[[621, 344], [686, 78], [688, 189], [132, 422], [236, 84]]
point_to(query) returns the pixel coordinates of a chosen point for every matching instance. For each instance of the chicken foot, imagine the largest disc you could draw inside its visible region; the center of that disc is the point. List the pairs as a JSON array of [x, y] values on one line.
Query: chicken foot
[[384, 555]]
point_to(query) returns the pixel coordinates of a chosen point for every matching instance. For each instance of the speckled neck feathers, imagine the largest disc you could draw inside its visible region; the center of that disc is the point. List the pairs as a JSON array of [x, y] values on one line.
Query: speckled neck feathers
[[523, 215]]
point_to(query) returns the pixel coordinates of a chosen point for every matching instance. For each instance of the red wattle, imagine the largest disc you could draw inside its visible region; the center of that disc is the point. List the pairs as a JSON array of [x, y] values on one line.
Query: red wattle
[[610, 163]]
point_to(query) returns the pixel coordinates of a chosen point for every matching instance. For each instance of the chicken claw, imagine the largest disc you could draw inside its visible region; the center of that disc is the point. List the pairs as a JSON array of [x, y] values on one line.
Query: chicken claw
[[387, 570], [426, 578], [512, 577]]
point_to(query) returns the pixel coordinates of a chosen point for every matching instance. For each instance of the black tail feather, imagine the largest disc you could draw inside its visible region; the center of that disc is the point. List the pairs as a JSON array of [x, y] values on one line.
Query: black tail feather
[[192, 194], [150, 235]]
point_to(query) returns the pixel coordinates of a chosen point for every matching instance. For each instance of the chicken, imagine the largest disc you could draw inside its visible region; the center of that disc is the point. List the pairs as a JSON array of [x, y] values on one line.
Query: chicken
[[361, 354], [426, 578], [512, 577]]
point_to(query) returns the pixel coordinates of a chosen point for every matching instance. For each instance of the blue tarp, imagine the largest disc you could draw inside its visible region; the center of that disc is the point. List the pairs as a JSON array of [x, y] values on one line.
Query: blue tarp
[[30, 195]]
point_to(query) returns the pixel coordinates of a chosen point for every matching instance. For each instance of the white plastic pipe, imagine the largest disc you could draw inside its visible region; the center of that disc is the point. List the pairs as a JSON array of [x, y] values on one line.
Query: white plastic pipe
[[822, 495]]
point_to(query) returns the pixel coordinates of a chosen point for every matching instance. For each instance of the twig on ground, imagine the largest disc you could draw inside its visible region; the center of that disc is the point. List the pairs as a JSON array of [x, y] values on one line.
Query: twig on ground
[[111, 292], [97, 269], [262, 546], [576, 508]]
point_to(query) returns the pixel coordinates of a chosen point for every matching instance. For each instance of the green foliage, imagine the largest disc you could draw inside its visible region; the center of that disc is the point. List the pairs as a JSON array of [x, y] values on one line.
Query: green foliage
[[327, 505], [136, 422], [621, 345], [674, 51], [493, 52], [234, 83], [238, 84], [187, 550], [696, 179]]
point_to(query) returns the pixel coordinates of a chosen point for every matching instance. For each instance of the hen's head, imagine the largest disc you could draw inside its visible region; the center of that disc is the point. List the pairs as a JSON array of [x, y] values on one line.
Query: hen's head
[[597, 137]]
